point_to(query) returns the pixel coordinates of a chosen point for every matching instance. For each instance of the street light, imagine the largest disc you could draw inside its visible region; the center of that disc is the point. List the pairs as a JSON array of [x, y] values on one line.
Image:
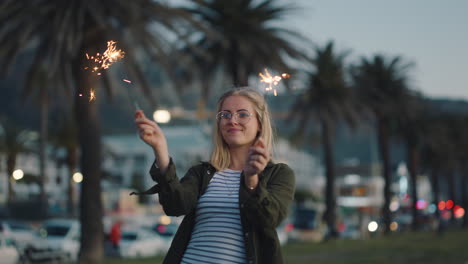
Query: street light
[[162, 116], [77, 177], [18, 174]]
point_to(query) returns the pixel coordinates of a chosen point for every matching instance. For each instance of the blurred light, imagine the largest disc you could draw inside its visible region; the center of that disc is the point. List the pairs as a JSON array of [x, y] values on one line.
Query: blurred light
[[372, 226], [421, 204], [77, 177], [394, 226], [449, 204], [352, 179], [405, 197], [394, 205], [165, 220], [289, 228], [162, 229], [432, 208], [458, 212], [445, 214], [162, 116], [18, 174], [441, 205]]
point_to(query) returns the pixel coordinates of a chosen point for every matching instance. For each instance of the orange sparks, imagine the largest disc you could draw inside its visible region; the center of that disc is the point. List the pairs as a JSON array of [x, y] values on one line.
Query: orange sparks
[[92, 96], [272, 80], [105, 60]]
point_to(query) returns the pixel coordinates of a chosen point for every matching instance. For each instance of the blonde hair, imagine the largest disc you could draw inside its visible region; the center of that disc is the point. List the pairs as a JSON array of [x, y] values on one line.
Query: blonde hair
[[220, 156]]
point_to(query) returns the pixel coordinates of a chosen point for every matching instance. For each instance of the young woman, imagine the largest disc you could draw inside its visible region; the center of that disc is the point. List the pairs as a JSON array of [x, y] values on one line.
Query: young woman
[[233, 203]]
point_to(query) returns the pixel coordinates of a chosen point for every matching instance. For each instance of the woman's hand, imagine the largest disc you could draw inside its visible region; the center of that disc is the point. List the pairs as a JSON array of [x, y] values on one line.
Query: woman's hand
[[153, 135], [257, 159]]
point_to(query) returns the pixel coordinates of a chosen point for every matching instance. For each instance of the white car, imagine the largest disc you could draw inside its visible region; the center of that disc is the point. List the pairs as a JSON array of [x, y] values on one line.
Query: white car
[[63, 235], [141, 243], [8, 252], [22, 233]]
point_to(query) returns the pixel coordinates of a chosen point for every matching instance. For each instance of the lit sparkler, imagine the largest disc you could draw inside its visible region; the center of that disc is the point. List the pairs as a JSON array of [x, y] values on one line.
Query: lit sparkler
[[272, 81], [105, 60]]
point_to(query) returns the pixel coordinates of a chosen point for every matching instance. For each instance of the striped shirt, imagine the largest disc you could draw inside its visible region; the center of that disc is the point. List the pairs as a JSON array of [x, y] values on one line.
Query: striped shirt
[[217, 235]]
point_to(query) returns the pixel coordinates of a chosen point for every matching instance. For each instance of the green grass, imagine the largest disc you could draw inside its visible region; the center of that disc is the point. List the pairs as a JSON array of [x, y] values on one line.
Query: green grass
[[427, 248]]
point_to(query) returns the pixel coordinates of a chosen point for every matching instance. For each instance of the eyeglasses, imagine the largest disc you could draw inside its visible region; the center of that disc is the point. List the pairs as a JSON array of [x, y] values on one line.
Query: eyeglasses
[[241, 116]]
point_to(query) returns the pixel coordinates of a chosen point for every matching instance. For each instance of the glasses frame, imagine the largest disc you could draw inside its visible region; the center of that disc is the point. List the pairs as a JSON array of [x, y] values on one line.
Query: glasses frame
[[235, 115]]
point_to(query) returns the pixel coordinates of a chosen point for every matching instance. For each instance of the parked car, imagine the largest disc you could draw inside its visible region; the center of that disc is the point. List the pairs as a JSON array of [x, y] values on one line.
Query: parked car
[[8, 252], [63, 235], [140, 242], [21, 232]]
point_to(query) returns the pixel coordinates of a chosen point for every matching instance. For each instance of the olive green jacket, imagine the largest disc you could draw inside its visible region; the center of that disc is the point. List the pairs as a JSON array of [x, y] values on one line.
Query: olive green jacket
[[261, 211]]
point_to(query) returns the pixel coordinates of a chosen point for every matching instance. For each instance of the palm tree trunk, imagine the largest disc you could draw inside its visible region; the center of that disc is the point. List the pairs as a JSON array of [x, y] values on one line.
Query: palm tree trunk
[[464, 192], [42, 150], [452, 193], [330, 196], [71, 164], [412, 169], [383, 141], [10, 164], [436, 196], [238, 78], [89, 136]]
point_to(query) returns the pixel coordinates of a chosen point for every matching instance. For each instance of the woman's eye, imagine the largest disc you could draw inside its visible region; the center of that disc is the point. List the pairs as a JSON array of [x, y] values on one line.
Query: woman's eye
[[243, 114]]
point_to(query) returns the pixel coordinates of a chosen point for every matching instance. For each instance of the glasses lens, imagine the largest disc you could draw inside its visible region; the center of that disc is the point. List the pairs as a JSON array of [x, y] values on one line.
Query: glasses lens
[[243, 116], [224, 115]]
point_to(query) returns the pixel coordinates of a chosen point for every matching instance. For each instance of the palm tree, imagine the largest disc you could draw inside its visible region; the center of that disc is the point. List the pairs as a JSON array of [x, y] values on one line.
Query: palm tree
[[412, 124], [437, 154], [58, 34], [381, 84], [13, 141], [65, 138], [243, 37], [328, 99]]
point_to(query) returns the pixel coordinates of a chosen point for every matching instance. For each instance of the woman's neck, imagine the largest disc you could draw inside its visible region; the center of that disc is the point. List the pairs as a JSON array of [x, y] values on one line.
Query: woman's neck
[[238, 157]]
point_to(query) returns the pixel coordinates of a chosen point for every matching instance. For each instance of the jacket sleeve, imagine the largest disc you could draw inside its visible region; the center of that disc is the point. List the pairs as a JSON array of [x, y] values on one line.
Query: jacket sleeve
[[177, 197], [269, 205]]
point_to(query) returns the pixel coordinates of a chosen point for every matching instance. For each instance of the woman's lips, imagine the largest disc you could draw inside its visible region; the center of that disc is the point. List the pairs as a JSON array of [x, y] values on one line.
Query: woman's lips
[[233, 130]]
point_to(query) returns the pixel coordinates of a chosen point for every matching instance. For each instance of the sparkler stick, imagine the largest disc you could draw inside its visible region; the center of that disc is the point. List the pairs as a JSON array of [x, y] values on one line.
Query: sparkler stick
[[272, 81], [131, 95]]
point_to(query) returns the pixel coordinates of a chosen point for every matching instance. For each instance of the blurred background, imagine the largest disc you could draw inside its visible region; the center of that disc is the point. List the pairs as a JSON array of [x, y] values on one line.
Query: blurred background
[[368, 98]]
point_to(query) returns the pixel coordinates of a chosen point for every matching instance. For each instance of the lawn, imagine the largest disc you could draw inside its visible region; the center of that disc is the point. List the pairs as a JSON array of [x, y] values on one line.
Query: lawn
[[427, 248]]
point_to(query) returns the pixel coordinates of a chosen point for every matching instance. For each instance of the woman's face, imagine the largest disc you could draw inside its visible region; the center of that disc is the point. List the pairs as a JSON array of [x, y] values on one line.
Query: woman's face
[[238, 121]]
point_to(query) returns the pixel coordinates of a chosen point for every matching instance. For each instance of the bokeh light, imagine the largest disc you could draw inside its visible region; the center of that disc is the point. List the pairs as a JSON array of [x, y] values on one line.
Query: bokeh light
[[77, 177], [394, 226], [165, 220], [394, 205], [162, 116], [18, 174], [458, 211], [441, 205], [372, 226], [421, 204], [449, 204]]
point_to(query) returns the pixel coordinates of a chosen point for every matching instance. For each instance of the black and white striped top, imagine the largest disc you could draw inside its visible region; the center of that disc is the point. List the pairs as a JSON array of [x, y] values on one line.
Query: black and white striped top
[[217, 235]]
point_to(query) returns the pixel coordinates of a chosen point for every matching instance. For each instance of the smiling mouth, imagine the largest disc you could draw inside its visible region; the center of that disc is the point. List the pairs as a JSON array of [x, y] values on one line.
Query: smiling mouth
[[233, 130]]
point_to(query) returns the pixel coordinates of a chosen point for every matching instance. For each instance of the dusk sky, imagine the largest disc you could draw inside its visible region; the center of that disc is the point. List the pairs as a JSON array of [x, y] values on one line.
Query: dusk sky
[[431, 33]]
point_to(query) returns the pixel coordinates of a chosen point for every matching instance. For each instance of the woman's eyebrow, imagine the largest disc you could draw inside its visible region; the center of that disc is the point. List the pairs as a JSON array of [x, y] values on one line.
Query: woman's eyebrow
[[225, 110]]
